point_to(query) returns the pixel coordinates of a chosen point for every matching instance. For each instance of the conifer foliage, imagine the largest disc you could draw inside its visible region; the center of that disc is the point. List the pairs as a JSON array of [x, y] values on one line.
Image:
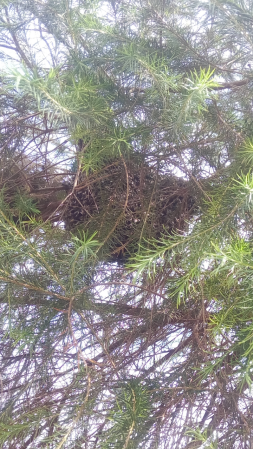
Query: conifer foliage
[[126, 224]]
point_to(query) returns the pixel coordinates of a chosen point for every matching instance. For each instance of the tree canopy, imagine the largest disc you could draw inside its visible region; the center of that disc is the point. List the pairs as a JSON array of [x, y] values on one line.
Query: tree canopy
[[126, 221]]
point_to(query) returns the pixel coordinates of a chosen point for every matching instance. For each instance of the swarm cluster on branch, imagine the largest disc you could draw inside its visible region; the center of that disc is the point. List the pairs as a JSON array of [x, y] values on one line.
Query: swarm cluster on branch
[[127, 201]]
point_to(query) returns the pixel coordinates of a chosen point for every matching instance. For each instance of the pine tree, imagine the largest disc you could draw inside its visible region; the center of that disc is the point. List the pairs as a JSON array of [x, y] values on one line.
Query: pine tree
[[126, 224]]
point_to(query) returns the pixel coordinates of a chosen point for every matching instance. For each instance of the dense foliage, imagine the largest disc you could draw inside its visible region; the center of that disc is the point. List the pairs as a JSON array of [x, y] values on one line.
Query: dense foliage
[[126, 223]]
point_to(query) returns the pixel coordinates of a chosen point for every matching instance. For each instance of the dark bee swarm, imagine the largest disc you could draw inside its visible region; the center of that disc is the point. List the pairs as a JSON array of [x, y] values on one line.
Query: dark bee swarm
[[126, 202]]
